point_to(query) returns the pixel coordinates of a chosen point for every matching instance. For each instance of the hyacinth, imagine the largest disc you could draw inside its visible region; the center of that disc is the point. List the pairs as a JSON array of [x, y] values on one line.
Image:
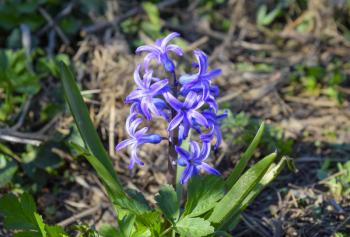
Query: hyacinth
[[187, 103]]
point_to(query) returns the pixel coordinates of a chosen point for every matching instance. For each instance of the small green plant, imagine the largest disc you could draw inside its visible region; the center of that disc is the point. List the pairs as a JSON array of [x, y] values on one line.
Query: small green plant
[[190, 205], [240, 129], [339, 183], [20, 215]]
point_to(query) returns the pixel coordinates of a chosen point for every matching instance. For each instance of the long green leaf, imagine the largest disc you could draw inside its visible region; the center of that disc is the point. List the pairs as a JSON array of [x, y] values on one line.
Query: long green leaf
[[85, 126], [108, 181], [232, 200], [243, 162], [270, 175]]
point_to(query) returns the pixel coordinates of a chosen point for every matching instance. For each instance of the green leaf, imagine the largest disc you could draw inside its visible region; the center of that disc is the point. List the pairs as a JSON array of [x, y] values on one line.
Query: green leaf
[[7, 169], [107, 230], [152, 219], [135, 202], [243, 162], [167, 202], [108, 180], [270, 175], [86, 128], [40, 223], [127, 224], [232, 200], [18, 213], [194, 227], [55, 231], [273, 171], [27, 234], [203, 194]]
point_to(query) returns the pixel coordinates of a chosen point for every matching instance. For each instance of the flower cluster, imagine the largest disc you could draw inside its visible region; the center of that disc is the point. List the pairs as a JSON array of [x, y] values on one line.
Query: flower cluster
[[186, 103]]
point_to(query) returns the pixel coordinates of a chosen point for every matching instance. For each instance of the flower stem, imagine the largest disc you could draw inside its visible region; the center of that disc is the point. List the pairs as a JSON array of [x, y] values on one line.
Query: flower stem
[[173, 141]]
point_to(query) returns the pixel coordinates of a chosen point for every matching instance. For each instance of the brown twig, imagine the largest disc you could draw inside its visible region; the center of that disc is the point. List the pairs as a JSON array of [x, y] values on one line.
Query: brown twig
[[81, 215], [60, 33]]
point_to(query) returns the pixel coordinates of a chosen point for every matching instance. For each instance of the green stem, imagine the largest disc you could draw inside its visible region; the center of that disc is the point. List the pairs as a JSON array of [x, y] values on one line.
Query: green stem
[[179, 187], [165, 231]]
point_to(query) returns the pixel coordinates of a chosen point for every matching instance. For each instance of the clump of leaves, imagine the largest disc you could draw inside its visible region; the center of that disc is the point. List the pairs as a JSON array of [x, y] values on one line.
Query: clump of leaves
[[212, 206], [319, 80], [339, 183], [240, 129], [21, 74], [20, 216]]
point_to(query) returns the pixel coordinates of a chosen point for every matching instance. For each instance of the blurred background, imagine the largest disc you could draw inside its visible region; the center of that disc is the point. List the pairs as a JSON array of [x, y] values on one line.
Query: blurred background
[[286, 62]]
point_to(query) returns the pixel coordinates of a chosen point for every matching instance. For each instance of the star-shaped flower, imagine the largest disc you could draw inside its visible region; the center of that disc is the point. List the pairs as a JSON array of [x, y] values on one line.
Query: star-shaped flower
[[144, 94], [187, 113], [202, 79], [194, 160], [136, 138], [214, 121], [160, 50]]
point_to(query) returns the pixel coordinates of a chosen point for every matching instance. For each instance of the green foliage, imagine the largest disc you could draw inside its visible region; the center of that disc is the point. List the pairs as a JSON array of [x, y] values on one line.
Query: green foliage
[[168, 203], [319, 80], [8, 168], [240, 190], [16, 13], [207, 205], [241, 128], [20, 215], [265, 18], [203, 194], [339, 185], [243, 161], [196, 226]]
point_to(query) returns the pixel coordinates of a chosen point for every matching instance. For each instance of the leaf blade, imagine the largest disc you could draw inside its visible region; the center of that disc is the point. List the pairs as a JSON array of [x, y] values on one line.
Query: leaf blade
[[167, 201], [196, 226], [243, 162], [84, 124], [240, 189]]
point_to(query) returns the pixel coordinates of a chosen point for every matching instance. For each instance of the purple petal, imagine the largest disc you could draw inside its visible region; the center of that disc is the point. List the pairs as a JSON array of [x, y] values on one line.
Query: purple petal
[[212, 103], [153, 108], [205, 151], [134, 95], [187, 173], [150, 138], [145, 110], [212, 73], [208, 136], [141, 132], [188, 78], [148, 58], [202, 61], [148, 48], [133, 125], [182, 152], [199, 118], [134, 159], [218, 138], [209, 169], [147, 78], [129, 122], [159, 86], [174, 48], [190, 99], [195, 149], [137, 77], [173, 102], [175, 121], [182, 161], [124, 143], [168, 38]]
